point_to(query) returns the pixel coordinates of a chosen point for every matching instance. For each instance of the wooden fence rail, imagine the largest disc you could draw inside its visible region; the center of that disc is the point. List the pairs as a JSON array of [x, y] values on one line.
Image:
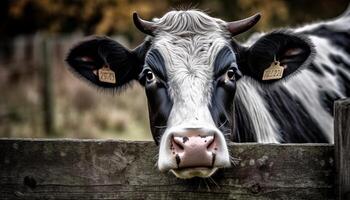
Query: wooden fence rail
[[109, 169]]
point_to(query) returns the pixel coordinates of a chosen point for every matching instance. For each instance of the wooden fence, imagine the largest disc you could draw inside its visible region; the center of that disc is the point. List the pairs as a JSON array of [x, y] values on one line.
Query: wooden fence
[[109, 169]]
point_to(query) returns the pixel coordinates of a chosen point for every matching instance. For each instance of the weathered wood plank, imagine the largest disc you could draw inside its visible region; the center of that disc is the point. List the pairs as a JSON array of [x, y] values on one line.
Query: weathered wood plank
[[342, 147], [106, 169]]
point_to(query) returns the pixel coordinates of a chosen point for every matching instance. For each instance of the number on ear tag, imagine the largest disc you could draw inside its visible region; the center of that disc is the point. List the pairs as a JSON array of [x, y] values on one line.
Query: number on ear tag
[[105, 74], [275, 71]]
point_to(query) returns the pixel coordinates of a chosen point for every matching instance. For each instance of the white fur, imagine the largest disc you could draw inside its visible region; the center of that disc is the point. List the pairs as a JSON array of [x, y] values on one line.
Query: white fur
[[265, 127]]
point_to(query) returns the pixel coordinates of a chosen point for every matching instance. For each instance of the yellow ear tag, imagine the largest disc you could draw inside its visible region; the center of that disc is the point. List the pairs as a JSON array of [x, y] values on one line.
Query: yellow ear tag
[[275, 71], [105, 74]]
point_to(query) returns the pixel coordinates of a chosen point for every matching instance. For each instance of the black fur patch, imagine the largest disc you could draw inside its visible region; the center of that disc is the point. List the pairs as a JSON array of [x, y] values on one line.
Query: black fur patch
[[159, 102], [221, 107], [327, 100], [224, 60], [316, 69], [344, 81], [342, 76], [155, 61], [328, 69], [244, 128], [296, 124]]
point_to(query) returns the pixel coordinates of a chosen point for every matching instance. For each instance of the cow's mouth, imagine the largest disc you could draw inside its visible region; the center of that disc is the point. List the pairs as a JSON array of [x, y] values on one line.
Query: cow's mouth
[[187, 173]]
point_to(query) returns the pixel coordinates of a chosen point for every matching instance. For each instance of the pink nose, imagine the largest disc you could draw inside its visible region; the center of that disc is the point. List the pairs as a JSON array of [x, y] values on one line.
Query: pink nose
[[194, 151]]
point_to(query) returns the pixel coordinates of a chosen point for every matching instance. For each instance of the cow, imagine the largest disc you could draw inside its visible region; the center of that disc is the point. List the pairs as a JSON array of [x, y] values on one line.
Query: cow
[[205, 89]]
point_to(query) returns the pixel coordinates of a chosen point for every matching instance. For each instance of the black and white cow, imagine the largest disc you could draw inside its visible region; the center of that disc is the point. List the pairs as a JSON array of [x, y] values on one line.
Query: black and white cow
[[205, 89]]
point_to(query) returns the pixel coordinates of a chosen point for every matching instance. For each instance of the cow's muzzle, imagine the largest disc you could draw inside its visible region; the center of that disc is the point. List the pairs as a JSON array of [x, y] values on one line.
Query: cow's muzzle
[[196, 152]]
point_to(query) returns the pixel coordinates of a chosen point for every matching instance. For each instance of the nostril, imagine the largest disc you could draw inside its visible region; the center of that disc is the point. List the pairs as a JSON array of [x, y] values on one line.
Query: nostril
[[176, 142], [211, 143]]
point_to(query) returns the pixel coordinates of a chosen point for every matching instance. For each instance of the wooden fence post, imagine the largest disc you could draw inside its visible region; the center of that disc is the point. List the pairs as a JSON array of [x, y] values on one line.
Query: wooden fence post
[[47, 89], [342, 147]]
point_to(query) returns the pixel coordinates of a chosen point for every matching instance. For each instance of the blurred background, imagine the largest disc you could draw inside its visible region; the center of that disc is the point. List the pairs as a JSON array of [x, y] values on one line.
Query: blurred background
[[41, 98]]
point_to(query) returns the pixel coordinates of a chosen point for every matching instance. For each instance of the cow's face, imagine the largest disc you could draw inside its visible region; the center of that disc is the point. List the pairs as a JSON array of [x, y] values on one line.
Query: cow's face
[[189, 70]]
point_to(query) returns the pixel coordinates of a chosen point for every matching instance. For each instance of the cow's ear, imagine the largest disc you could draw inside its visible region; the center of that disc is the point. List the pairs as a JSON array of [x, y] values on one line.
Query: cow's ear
[[260, 61], [105, 62]]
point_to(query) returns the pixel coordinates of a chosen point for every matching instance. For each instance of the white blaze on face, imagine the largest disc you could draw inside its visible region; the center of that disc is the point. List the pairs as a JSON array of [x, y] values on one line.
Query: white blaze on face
[[189, 42], [190, 74]]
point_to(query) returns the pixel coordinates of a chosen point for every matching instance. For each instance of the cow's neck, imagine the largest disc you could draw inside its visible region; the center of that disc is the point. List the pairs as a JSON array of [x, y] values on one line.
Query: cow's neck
[[253, 122]]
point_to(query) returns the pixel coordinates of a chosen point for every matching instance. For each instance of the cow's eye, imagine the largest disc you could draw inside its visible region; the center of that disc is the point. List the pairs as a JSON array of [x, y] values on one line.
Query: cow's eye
[[150, 76], [230, 74]]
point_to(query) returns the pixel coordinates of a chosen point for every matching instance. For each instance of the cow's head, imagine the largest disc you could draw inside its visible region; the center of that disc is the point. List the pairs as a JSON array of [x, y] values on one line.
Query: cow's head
[[189, 67]]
